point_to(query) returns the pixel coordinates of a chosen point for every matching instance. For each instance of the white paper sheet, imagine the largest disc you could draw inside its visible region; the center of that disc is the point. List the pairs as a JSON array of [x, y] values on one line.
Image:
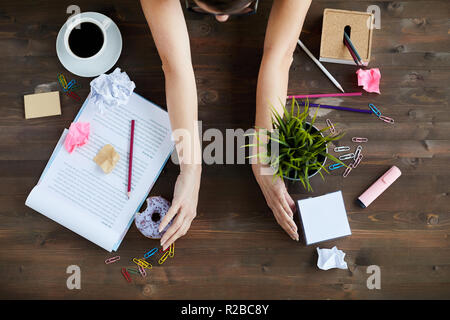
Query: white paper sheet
[[75, 192], [324, 217]]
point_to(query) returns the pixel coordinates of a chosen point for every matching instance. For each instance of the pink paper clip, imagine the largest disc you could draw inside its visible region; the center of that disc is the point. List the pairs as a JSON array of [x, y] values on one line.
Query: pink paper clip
[[386, 119], [112, 260], [142, 271], [357, 161], [347, 171], [332, 128], [358, 139]]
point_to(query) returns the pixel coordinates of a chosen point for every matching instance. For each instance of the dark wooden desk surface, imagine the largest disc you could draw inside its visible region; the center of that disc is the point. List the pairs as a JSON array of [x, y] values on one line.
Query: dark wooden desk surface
[[235, 249]]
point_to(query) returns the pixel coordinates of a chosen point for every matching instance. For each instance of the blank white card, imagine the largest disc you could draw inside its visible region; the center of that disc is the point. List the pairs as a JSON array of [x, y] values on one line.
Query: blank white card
[[324, 217]]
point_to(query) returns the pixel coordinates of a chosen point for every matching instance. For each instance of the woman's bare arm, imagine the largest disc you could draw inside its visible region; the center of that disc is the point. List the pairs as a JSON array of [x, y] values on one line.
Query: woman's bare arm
[[283, 30], [169, 31]]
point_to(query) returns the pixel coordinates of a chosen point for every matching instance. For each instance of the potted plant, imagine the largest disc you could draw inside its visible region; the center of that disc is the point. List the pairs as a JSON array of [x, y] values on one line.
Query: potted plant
[[301, 149]]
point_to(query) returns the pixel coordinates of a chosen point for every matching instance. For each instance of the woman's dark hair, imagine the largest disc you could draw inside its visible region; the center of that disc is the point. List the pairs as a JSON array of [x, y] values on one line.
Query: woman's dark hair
[[224, 6]]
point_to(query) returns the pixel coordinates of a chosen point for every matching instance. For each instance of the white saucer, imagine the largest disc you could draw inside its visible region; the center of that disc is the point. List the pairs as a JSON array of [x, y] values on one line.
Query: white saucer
[[101, 62]]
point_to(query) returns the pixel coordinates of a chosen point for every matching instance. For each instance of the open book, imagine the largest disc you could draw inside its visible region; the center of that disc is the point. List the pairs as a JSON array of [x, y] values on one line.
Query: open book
[[77, 194]]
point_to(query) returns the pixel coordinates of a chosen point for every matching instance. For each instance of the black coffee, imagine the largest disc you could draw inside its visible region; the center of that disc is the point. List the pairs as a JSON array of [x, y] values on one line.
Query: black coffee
[[86, 40]]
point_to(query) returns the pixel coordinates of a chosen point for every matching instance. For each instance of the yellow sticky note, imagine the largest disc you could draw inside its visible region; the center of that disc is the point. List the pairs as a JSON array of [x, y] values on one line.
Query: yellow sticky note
[[42, 105], [107, 158]]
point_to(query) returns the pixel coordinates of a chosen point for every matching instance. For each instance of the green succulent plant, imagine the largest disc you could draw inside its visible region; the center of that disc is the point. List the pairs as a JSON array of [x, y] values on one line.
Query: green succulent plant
[[300, 148]]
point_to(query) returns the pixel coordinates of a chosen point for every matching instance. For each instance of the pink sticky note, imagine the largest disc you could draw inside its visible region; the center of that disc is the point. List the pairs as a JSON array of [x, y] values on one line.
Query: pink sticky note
[[77, 136], [369, 79]]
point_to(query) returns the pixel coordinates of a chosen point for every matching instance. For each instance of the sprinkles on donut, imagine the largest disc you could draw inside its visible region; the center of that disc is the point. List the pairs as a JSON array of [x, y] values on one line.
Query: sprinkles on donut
[[147, 220]]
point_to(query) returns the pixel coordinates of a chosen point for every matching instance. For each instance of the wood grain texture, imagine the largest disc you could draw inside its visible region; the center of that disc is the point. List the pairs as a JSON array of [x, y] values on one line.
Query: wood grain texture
[[235, 249]]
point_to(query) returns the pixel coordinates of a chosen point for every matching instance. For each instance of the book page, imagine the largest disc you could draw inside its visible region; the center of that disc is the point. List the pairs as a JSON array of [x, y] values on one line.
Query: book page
[[100, 199]]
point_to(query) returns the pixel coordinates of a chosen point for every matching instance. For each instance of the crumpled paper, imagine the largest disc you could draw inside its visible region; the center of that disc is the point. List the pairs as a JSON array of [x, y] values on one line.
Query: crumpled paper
[[369, 79], [77, 136], [107, 158], [110, 90], [331, 258]]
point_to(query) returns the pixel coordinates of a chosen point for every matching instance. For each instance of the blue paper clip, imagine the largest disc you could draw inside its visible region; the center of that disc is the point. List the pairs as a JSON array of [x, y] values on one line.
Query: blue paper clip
[[150, 253], [335, 166], [70, 85], [375, 110]]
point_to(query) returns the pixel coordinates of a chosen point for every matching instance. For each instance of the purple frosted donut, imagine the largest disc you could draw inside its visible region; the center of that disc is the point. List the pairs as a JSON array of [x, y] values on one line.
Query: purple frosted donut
[[147, 221]]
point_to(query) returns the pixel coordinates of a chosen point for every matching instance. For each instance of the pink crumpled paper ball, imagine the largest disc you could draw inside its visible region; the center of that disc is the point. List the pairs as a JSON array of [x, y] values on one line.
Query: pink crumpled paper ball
[[369, 79], [77, 136]]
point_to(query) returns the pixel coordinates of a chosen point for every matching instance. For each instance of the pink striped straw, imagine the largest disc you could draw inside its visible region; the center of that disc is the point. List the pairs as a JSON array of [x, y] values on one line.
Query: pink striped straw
[[348, 94]]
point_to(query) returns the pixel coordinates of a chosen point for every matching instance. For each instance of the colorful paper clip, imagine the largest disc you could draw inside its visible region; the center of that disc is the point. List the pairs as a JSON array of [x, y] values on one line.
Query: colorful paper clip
[[161, 250], [357, 161], [386, 119], [75, 87], [130, 270], [347, 171], [142, 263], [70, 85], [164, 257], [126, 275], [357, 152], [62, 81], [358, 139], [172, 250], [347, 156], [335, 166], [142, 271], [375, 110], [112, 260], [73, 95], [332, 128], [150, 253], [340, 149]]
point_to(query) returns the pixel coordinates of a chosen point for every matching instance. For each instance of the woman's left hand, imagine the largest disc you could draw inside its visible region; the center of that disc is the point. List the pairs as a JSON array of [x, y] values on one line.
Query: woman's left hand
[[184, 206]]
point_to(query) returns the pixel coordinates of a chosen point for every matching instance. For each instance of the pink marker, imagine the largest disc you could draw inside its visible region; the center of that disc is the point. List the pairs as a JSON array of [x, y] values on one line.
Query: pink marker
[[379, 186]]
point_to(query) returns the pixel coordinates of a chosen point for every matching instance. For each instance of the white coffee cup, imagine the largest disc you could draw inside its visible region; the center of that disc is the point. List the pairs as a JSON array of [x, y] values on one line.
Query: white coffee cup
[[99, 62]]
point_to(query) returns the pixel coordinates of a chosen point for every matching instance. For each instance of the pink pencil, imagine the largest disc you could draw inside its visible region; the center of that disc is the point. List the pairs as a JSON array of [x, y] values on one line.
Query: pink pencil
[[130, 159], [348, 94]]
